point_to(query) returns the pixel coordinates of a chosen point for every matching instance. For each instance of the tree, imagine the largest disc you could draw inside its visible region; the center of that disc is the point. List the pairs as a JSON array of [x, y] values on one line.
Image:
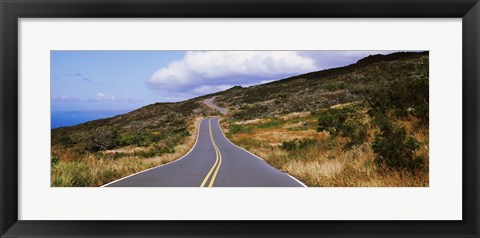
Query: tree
[[104, 138]]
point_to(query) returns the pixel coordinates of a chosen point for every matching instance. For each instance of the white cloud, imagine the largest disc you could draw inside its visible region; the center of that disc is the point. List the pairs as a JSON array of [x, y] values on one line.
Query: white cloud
[[200, 68], [206, 89], [105, 97]]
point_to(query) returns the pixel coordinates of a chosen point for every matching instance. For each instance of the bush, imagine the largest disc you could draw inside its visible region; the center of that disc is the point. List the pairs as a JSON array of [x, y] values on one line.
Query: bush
[[250, 111], [344, 122], [117, 155], [332, 120], [182, 132], [54, 160], [355, 130], [66, 140], [393, 147], [273, 122], [335, 86], [155, 151], [289, 145], [296, 145], [139, 138], [237, 129], [404, 95]]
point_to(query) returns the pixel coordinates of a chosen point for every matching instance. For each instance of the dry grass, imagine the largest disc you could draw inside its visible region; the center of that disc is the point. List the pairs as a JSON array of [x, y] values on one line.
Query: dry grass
[[329, 163], [294, 115], [253, 121], [95, 169], [277, 136]]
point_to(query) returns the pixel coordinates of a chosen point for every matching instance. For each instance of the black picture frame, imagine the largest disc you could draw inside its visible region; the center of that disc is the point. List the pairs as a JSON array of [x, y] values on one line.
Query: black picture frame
[[11, 11]]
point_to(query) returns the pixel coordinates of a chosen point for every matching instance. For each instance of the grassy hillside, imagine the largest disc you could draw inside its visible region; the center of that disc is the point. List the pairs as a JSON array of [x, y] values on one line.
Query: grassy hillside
[[361, 125], [97, 152], [312, 91]]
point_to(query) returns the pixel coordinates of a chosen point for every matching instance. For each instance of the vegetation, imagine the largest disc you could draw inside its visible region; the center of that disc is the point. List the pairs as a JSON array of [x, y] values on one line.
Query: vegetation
[[344, 122], [394, 148], [323, 159], [236, 129], [297, 145]]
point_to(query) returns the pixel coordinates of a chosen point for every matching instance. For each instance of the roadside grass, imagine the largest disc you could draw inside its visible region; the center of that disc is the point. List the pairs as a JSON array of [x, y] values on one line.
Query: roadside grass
[[72, 167], [321, 159]]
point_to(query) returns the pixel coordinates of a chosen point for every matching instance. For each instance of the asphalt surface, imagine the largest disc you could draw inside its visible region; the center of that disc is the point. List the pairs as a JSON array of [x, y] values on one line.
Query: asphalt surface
[[213, 162], [210, 103]]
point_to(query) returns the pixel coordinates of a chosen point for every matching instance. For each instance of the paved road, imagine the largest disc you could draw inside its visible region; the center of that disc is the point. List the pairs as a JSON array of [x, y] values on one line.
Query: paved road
[[213, 162], [210, 103]]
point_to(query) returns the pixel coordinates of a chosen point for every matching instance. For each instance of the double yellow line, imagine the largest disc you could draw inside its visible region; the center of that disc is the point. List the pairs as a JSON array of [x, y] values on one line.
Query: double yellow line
[[218, 160]]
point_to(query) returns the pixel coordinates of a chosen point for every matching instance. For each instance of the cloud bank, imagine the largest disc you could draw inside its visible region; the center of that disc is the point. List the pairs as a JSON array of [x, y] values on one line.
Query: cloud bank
[[201, 72]]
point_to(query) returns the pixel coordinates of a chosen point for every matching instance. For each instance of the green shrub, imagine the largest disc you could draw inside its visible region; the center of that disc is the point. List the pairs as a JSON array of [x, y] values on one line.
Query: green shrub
[[393, 147], [405, 95], [335, 86], [344, 122], [117, 155], [355, 130], [144, 137], [237, 129], [66, 140], [54, 160], [155, 151], [289, 145], [181, 132], [272, 122], [297, 145], [250, 111], [332, 120]]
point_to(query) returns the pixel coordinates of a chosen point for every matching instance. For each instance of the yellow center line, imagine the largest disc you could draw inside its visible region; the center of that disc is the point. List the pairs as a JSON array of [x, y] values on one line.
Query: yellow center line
[[219, 164], [218, 160]]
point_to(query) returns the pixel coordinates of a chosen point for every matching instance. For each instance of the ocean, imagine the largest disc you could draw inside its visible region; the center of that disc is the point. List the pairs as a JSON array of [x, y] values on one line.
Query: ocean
[[71, 118]]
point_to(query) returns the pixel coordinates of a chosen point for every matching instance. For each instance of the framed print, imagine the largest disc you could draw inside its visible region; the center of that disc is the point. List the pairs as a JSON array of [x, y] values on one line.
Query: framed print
[[228, 118]]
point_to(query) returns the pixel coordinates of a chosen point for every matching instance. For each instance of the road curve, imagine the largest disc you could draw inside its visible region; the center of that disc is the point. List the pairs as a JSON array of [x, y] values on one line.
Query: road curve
[[209, 102], [213, 162]]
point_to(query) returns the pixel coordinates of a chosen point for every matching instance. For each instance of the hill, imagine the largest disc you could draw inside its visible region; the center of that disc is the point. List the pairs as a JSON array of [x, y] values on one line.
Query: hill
[[325, 88]]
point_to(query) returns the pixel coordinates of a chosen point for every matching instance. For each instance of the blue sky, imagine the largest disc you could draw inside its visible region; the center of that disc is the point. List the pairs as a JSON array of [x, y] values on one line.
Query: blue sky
[[125, 80]]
